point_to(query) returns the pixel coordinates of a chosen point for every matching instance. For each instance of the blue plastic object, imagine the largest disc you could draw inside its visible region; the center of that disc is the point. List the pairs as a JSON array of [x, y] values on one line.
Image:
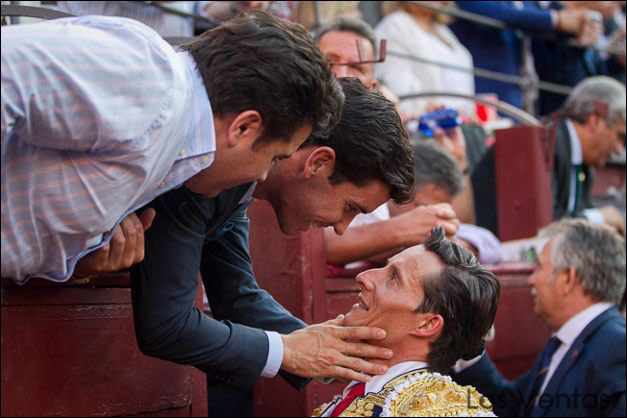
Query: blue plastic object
[[445, 119]]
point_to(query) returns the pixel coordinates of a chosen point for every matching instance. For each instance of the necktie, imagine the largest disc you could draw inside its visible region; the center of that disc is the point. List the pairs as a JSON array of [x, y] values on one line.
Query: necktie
[[547, 354], [579, 179], [357, 391]]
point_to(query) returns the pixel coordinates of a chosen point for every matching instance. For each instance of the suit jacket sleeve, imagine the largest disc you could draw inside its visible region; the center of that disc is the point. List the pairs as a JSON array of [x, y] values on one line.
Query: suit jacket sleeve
[[232, 290], [167, 324], [525, 19], [506, 396]]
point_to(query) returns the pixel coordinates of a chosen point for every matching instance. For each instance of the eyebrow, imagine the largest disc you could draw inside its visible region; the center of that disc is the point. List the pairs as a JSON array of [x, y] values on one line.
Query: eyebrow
[[358, 206], [401, 280]]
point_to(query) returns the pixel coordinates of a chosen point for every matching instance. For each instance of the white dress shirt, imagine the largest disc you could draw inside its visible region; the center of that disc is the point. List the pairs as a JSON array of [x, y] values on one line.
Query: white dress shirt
[[576, 158], [99, 116], [403, 76]]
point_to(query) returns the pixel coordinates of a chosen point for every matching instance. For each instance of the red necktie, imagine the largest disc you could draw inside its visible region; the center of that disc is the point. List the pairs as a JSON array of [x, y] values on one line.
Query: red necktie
[[356, 391]]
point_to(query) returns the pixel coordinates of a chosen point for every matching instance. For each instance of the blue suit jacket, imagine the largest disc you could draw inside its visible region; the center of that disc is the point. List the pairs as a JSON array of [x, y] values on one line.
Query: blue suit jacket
[[496, 49], [590, 380], [190, 233]]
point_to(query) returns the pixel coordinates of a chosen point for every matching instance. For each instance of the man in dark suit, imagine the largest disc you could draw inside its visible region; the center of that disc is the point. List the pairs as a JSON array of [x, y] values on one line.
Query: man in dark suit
[[579, 281], [587, 130], [365, 161], [486, 42], [591, 129]]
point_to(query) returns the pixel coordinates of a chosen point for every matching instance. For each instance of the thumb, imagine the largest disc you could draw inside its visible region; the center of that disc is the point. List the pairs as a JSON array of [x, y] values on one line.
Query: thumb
[[147, 217]]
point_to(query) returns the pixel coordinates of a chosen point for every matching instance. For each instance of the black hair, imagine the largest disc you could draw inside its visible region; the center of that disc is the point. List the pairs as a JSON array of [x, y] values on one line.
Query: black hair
[[370, 142], [270, 65]]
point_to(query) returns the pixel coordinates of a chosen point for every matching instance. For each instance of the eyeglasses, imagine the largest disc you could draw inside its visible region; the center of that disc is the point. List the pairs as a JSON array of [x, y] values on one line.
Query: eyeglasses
[[361, 54]]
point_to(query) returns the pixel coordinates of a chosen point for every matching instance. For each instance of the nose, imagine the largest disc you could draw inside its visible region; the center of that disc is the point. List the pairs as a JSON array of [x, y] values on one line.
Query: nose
[[264, 176], [341, 226], [340, 70], [365, 280], [531, 281]]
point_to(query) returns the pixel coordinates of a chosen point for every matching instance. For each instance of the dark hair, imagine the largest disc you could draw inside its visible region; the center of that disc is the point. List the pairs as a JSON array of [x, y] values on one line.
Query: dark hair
[[347, 24], [466, 294], [436, 166], [271, 65], [370, 142]]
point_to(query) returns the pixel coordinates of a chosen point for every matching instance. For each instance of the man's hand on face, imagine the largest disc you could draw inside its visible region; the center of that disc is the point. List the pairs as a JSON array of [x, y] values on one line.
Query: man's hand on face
[[125, 248], [416, 224], [328, 350]]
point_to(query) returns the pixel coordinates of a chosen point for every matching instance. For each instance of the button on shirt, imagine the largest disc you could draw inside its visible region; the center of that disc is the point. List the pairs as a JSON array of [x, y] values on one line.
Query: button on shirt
[[99, 116]]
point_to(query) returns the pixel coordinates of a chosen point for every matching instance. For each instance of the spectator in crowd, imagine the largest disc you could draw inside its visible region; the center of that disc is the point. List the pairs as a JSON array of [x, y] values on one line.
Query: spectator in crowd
[[338, 39], [81, 122], [591, 130], [421, 32], [577, 285], [587, 130], [165, 24], [560, 63], [436, 303], [365, 161], [485, 42], [390, 228]]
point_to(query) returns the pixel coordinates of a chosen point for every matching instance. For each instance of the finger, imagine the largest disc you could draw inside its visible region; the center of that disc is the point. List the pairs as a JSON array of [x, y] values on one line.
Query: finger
[[130, 236], [360, 333], [93, 263], [361, 366], [450, 228], [344, 374], [117, 248], [139, 231], [147, 217], [446, 213], [360, 349], [335, 322]]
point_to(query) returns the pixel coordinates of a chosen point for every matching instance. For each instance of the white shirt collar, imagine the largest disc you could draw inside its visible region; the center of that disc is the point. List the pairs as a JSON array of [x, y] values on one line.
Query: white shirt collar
[[576, 153], [201, 137], [575, 325]]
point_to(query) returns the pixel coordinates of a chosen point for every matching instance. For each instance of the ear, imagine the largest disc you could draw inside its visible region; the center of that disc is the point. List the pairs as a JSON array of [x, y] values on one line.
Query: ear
[[430, 325], [594, 122], [321, 161], [569, 280], [373, 84], [244, 127]]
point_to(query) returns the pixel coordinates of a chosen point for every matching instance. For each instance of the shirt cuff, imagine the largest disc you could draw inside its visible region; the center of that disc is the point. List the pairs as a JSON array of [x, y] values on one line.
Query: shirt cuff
[[275, 355], [594, 216], [554, 18], [462, 365]]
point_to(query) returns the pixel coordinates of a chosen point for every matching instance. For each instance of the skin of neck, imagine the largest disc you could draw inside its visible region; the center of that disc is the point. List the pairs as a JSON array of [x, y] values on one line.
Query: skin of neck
[[571, 306], [220, 175], [421, 15], [408, 350]]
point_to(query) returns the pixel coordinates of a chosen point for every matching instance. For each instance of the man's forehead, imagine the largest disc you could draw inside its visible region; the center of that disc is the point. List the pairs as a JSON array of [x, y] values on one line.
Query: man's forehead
[[370, 196], [417, 261], [346, 41]]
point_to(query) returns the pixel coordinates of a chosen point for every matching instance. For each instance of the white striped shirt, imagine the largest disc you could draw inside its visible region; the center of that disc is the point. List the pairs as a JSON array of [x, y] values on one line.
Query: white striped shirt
[[99, 116]]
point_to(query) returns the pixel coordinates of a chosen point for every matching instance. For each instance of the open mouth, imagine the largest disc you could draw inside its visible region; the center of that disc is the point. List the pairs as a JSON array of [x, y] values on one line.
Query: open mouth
[[362, 304]]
